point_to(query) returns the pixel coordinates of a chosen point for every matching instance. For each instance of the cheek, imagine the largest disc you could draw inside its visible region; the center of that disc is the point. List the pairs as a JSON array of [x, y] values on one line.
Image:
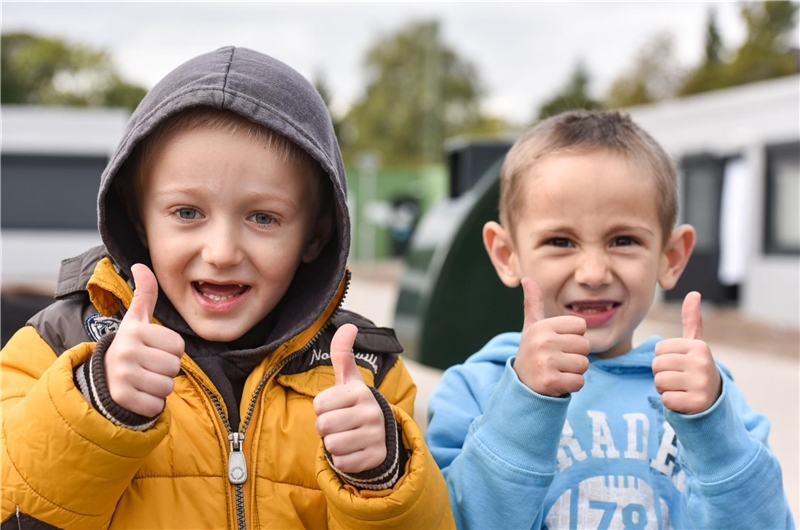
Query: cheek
[[279, 259]]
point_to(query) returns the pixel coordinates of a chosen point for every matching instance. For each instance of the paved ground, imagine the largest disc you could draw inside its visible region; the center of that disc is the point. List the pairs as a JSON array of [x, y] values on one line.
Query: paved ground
[[765, 361]]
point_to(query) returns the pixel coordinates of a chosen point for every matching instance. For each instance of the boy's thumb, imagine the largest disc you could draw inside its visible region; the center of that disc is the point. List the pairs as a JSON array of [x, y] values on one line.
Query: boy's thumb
[[344, 363], [691, 317], [534, 305], [145, 295]]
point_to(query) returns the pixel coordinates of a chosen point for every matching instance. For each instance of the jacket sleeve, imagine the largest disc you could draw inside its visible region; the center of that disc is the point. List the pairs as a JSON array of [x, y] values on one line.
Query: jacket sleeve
[[496, 442], [733, 479], [418, 500], [62, 462]]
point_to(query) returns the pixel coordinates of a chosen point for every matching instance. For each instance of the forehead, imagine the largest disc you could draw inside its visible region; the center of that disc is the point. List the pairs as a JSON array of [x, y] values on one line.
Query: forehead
[[603, 184], [212, 158]]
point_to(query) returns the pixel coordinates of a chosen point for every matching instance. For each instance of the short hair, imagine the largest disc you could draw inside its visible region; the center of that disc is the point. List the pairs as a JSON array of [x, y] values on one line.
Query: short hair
[[129, 180], [583, 132]]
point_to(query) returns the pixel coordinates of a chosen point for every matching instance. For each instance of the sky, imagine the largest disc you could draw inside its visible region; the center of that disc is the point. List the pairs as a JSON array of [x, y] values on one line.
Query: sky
[[524, 52]]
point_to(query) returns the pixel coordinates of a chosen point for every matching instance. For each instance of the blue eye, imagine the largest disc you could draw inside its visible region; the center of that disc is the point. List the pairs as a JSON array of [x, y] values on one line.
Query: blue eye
[[262, 219], [188, 214]]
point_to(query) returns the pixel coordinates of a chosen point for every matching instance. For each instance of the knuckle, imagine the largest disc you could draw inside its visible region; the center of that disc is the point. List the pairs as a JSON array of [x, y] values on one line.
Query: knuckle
[[321, 425], [669, 401], [551, 381], [334, 446], [658, 381], [583, 364], [317, 405], [577, 383]]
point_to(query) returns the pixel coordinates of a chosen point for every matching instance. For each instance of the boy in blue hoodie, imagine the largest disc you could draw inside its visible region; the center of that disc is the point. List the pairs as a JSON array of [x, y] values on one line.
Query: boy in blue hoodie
[[567, 424]]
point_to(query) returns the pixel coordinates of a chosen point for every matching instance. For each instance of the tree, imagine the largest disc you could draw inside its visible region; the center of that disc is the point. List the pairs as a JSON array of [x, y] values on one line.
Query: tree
[[655, 75], [711, 72], [418, 92], [49, 71], [767, 51], [713, 40], [574, 95]]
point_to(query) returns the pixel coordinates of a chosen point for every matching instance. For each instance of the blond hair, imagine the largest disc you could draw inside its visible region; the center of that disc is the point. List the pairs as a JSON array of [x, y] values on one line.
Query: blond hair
[[136, 167], [583, 132]]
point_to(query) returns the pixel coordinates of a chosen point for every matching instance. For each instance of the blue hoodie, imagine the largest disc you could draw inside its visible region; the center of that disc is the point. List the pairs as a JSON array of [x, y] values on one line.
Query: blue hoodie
[[609, 456]]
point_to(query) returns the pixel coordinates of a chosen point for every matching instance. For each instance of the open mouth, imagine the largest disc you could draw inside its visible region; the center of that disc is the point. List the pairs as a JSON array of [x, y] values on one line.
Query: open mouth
[[592, 308], [219, 292]]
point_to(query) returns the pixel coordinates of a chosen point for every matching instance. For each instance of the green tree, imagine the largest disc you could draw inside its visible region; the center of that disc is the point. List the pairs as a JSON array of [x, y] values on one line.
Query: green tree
[[49, 71], [713, 46], [766, 52], [418, 92], [573, 95], [711, 73], [655, 75]]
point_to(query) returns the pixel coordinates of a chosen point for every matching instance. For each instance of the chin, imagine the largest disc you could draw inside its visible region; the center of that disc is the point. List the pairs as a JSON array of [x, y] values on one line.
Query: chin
[[214, 335]]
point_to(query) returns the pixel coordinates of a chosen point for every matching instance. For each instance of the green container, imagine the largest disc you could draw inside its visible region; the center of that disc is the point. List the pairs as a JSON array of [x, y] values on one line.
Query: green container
[[451, 301]]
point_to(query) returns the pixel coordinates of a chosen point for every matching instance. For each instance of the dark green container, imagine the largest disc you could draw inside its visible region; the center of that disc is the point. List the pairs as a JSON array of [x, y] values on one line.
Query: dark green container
[[451, 301]]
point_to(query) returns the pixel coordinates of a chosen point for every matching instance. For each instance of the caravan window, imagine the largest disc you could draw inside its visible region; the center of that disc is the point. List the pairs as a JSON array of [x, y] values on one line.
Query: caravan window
[[783, 199]]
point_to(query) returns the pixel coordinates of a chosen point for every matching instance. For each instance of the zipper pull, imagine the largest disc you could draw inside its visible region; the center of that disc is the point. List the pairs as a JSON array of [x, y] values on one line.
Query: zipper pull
[[237, 467]]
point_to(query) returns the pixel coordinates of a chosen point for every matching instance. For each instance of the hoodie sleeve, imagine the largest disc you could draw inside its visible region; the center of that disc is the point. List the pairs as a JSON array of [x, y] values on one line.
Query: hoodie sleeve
[[54, 443], [496, 442], [418, 500], [733, 478]]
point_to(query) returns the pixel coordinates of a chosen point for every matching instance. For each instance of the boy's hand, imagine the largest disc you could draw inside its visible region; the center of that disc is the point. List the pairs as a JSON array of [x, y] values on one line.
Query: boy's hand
[[144, 357], [349, 419], [685, 373], [552, 351]]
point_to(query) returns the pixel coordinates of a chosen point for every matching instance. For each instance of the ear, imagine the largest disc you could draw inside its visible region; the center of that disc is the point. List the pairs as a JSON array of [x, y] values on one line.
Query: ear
[[323, 229], [500, 247], [676, 255]]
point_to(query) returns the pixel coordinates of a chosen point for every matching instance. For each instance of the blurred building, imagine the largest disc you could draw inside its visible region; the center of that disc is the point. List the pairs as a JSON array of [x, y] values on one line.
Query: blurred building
[[51, 162], [738, 151]]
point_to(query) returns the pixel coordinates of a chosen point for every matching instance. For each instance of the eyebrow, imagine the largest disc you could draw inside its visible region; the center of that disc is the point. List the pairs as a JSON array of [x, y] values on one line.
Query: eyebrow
[[253, 194], [558, 230], [630, 228]]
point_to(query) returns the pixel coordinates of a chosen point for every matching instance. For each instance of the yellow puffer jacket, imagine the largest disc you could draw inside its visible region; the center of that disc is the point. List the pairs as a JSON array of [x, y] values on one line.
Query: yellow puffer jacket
[[66, 465]]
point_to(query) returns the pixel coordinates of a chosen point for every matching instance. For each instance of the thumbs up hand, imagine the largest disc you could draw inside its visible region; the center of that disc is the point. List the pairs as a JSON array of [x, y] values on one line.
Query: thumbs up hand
[[552, 351], [685, 373], [349, 419], [143, 357]]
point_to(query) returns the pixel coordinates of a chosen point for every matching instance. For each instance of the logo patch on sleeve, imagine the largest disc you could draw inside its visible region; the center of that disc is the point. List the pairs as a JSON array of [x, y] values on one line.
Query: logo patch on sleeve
[[321, 358], [98, 325]]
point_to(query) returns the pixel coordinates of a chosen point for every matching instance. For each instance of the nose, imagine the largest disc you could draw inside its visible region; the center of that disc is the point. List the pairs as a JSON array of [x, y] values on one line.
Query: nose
[[222, 247], [593, 270]]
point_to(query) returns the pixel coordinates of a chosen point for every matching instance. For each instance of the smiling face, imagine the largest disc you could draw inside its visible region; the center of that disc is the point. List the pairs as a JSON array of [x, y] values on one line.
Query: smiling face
[[227, 222], [589, 235]]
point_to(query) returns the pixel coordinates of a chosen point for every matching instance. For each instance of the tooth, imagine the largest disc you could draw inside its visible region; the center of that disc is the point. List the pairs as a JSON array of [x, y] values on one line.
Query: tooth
[[200, 282]]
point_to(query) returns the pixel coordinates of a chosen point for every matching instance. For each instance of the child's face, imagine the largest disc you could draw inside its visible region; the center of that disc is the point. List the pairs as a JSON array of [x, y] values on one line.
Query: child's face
[[590, 236], [227, 223]]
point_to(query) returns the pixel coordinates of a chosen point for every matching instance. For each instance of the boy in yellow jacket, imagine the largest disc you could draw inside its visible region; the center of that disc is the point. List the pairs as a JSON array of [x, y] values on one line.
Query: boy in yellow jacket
[[196, 371]]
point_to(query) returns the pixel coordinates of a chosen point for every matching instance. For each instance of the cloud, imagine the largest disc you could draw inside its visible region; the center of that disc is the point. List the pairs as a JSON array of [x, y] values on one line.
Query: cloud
[[523, 51]]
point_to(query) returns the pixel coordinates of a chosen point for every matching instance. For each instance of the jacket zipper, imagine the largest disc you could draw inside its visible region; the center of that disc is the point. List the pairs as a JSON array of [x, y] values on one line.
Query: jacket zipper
[[237, 464]]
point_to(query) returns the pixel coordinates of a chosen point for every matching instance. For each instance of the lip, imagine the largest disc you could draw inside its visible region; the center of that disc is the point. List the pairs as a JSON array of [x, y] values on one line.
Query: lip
[[220, 306], [594, 312]]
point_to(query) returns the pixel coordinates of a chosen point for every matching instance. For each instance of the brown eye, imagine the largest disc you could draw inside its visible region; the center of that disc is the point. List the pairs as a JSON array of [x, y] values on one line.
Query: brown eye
[[624, 241], [560, 242]]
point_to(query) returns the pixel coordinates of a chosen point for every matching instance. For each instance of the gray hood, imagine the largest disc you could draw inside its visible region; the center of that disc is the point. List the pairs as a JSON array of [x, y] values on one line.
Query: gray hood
[[274, 95]]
